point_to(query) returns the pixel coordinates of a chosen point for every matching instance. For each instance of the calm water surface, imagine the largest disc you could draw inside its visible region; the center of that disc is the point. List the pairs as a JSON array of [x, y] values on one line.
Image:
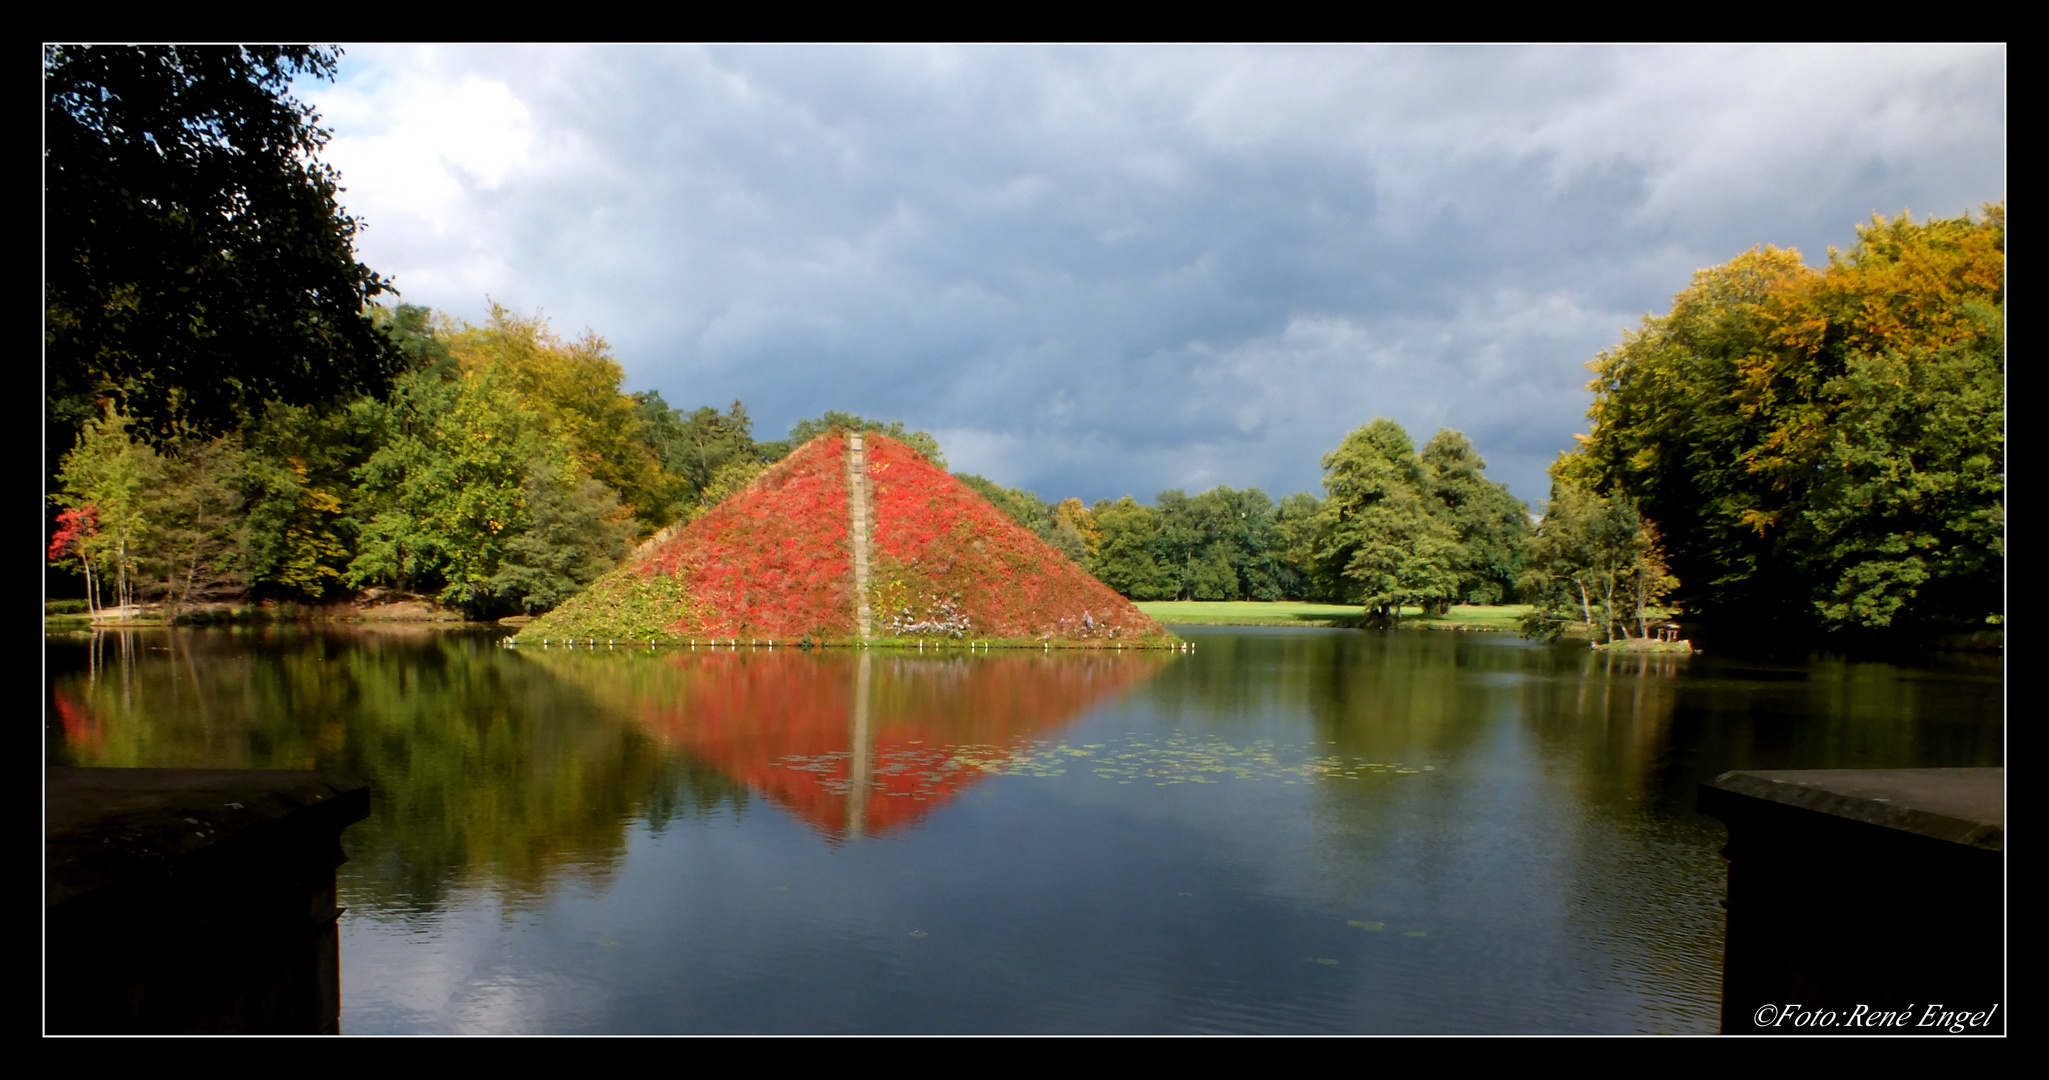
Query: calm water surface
[[1288, 830]]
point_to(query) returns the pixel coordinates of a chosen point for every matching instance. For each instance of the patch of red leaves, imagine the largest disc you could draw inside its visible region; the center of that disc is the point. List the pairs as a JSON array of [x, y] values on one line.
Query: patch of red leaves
[[73, 527], [943, 543], [774, 561]]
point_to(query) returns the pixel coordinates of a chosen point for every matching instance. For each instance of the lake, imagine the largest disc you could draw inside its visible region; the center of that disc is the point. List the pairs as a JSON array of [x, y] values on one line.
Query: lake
[[1286, 830]]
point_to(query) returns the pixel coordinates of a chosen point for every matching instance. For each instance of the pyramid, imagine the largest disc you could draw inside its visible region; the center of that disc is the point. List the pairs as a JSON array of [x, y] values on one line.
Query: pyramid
[[853, 538]]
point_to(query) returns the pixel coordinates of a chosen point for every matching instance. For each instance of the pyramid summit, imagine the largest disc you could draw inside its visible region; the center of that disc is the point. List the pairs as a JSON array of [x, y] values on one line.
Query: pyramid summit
[[852, 538]]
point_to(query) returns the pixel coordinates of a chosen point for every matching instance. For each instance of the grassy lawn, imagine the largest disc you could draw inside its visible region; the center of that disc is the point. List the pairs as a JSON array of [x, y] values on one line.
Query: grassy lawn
[[1288, 613], [1479, 616]]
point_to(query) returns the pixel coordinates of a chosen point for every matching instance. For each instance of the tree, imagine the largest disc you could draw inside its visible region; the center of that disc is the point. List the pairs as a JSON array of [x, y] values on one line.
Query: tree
[[1300, 529], [198, 519], [75, 529], [1384, 544], [1825, 449], [1489, 522], [1076, 525], [574, 386], [196, 263], [694, 448], [578, 533], [447, 487], [303, 513], [1219, 543], [1124, 559], [1594, 558], [804, 431], [1909, 522], [112, 477]]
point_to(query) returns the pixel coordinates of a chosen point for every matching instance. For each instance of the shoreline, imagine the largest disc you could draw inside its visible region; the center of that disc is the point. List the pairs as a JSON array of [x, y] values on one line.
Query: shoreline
[[369, 606]]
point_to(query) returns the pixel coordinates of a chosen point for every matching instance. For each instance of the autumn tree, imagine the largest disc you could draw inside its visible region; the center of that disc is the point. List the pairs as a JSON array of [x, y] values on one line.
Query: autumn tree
[[574, 386], [1825, 450], [303, 515], [1074, 517], [75, 529], [116, 478]]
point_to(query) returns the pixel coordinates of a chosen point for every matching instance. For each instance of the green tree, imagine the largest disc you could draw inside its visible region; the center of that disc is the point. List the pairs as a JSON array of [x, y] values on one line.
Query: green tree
[[694, 448], [1124, 558], [1594, 562], [577, 532], [1300, 530], [447, 488], [196, 264], [198, 519], [419, 335], [1385, 545], [1219, 544], [804, 431], [1911, 520], [1489, 522]]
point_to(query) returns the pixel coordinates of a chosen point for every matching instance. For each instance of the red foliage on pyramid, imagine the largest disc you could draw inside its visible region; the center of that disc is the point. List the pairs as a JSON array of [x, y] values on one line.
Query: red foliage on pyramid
[[942, 553], [775, 562]]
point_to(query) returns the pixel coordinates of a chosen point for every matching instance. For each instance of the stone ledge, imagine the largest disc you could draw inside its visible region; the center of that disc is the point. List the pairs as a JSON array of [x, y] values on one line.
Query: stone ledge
[[1963, 806]]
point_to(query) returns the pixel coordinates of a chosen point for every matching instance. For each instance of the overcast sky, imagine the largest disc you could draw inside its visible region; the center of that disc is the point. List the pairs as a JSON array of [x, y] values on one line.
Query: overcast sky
[[1110, 271]]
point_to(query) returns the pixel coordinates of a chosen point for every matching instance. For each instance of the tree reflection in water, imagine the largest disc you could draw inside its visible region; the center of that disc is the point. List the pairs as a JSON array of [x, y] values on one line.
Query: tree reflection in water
[[515, 768]]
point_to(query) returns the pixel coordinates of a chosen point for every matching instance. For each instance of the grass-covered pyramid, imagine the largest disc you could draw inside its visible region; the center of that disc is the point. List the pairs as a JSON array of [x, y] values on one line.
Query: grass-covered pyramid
[[778, 562]]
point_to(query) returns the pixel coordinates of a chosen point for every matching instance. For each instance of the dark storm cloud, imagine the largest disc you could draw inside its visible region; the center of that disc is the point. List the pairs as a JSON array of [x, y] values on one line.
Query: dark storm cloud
[[1111, 271]]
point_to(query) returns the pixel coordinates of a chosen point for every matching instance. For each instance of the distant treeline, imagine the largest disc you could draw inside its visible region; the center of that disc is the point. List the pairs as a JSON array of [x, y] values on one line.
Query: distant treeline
[[1395, 527]]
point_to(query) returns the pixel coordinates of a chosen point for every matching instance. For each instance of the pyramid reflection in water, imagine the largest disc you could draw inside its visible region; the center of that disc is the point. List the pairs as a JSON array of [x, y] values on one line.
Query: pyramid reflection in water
[[854, 743]]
